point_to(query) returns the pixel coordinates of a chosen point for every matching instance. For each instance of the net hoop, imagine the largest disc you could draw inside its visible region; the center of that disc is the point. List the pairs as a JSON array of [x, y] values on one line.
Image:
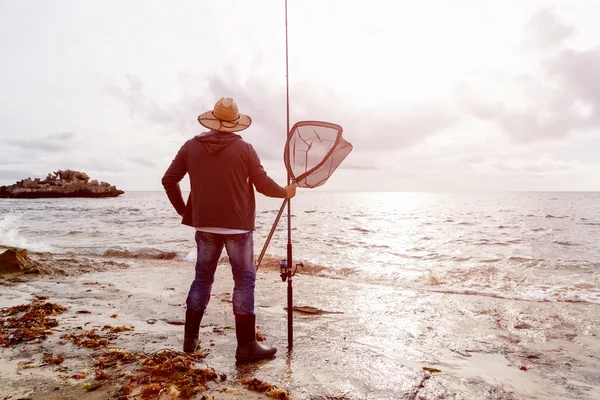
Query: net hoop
[[339, 144]]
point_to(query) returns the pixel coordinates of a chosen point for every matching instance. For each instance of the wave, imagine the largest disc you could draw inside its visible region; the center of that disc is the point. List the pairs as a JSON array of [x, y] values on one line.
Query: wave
[[363, 230], [144, 254], [561, 295], [565, 243], [11, 237], [271, 262]]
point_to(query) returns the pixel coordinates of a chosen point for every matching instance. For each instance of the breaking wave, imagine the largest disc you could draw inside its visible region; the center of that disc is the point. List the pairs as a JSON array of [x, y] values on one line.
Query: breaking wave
[[10, 237]]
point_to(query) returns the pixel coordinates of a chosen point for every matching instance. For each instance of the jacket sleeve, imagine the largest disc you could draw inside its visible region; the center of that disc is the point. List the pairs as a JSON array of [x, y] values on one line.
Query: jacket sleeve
[[171, 179], [259, 178]]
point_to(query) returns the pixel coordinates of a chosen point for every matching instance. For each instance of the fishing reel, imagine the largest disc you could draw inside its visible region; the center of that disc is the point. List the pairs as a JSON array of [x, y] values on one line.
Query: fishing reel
[[285, 271]]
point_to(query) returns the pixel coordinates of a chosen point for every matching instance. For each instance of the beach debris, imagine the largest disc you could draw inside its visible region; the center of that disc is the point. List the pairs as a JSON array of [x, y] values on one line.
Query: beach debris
[[312, 310], [92, 339], [114, 315], [260, 337], [115, 357], [523, 368], [91, 386], [101, 376], [169, 371], [49, 358], [34, 323], [83, 312], [151, 321], [117, 329], [523, 325], [433, 280], [429, 369], [256, 385], [88, 339]]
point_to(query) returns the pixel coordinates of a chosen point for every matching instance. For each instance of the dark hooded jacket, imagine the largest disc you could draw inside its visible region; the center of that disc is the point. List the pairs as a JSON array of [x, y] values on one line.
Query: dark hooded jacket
[[223, 170]]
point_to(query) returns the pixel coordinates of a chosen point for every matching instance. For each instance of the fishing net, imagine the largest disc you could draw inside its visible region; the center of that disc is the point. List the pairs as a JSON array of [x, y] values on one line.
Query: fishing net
[[313, 151]]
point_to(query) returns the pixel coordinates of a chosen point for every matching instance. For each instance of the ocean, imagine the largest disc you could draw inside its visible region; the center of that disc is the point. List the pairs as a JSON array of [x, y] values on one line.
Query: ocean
[[525, 245]]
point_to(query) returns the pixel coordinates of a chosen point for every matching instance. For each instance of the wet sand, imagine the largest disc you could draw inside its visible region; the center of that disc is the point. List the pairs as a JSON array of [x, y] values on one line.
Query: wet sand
[[373, 342]]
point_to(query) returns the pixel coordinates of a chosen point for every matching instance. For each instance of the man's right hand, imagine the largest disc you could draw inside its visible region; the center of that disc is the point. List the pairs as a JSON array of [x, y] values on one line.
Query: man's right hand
[[290, 190]]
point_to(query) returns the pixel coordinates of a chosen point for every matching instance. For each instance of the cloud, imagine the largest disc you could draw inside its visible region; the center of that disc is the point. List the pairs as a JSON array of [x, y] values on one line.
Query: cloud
[[578, 72], [10, 176], [545, 164], [367, 128], [52, 142], [545, 30], [561, 100], [178, 117], [144, 162]]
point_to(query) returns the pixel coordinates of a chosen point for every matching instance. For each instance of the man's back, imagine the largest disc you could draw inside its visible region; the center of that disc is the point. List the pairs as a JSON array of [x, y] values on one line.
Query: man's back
[[223, 169]]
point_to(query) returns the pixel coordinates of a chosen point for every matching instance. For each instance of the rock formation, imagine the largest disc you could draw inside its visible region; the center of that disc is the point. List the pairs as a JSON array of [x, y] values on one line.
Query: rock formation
[[16, 260], [59, 184]]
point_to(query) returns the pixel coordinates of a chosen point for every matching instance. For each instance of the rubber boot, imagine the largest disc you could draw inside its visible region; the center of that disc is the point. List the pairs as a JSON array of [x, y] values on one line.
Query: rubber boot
[[192, 328], [248, 349]]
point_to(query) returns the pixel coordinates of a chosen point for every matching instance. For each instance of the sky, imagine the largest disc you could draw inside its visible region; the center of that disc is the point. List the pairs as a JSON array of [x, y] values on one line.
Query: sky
[[434, 95]]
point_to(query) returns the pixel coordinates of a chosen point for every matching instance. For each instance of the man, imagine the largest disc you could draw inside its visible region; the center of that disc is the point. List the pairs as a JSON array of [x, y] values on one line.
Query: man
[[223, 171]]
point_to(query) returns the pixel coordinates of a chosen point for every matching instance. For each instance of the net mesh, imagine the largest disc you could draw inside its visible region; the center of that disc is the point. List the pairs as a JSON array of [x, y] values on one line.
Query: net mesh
[[314, 151]]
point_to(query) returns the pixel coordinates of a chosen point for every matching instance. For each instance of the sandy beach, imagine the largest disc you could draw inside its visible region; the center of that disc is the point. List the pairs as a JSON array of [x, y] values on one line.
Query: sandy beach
[[369, 341]]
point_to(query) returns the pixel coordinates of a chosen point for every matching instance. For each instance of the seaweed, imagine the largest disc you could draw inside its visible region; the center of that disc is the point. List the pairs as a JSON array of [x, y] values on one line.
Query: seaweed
[[93, 340], [88, 339], [91, 386], [173, 372], [50, 359], [35, 323], [429, 369], [101, 376], [114, 357], [256, 385], [116, 329]]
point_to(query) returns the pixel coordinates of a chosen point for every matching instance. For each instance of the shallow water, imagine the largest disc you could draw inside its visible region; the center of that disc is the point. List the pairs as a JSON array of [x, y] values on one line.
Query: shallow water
[[532, 246], [374, 345]]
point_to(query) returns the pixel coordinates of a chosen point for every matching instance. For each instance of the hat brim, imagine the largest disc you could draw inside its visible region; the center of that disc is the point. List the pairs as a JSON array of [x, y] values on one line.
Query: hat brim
[[209, 120]]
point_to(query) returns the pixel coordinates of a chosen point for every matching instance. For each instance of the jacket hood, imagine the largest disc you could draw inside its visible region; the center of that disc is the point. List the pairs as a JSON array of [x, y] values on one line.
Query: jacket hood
[[216, 141]]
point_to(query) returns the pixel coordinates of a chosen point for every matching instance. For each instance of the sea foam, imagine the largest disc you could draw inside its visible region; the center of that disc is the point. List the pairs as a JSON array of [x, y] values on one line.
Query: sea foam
[[10, 236]]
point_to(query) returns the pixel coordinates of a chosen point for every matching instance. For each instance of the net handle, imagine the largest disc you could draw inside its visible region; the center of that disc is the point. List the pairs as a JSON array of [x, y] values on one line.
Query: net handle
[[264, 249], [338, 138]]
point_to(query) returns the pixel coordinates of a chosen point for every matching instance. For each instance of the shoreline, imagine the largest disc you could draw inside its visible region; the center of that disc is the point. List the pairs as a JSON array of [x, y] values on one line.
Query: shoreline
[[373, 341]]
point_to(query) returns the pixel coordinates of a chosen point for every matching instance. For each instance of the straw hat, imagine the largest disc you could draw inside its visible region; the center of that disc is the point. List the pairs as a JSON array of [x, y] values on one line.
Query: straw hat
[[225, 117]]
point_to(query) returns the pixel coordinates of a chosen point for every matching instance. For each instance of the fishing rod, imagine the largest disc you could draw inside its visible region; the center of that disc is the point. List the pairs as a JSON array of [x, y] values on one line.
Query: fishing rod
[[327, 147], [289, 261]]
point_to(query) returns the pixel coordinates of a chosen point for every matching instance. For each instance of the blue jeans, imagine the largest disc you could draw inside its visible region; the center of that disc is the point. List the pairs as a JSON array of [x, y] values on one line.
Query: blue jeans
[[240, 249]]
